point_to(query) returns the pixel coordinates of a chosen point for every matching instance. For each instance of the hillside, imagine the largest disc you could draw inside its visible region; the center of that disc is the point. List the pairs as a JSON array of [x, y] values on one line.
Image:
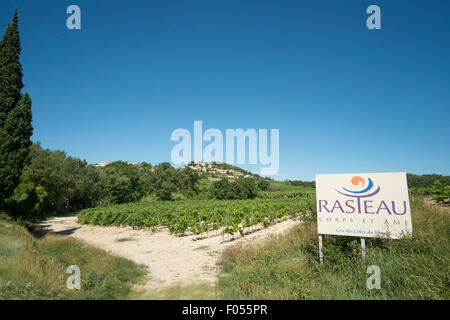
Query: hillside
[[219, 170]]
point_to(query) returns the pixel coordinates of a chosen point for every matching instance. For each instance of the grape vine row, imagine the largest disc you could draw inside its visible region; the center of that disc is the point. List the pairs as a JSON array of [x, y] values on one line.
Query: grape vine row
[[200, 217]]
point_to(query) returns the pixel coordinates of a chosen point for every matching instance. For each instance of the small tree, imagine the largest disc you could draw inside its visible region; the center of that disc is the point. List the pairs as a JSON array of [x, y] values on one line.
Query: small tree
[[221, 189], [263, 185]]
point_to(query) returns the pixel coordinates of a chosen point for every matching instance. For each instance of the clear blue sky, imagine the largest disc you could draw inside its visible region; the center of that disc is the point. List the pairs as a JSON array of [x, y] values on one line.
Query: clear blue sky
[[345, 98]]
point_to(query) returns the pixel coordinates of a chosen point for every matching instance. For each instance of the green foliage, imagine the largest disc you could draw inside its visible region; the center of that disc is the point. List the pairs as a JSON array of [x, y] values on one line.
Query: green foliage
[[221, 189], [15, 113], [426, 180], [69, 183], [284, 186], [10, 67], [299, 183], [26, 200], [441, 191], [245, 188], [163, 180], [196, 216], [285, 194], [263, 184], [430, 184], [308, 209], [241, 188], [120, 183]]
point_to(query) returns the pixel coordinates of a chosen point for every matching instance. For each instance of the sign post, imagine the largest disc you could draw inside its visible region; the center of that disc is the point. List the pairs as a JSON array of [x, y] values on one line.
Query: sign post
[[320, 249], [365, 205], [363, 247]]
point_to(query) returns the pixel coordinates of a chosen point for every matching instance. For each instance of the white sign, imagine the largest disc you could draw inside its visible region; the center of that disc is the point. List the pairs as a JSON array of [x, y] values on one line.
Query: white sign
[[369, 205]]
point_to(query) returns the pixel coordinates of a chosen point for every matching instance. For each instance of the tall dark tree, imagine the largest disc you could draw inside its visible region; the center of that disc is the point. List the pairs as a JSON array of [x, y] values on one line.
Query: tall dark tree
[[15, 112]]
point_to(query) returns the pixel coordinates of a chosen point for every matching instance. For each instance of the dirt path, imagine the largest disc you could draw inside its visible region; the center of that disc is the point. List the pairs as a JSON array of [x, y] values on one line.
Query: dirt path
[[171, 260]]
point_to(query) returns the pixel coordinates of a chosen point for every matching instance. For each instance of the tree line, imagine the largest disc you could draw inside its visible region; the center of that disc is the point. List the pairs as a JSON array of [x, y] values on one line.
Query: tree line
[[428, 181], [52, 182]]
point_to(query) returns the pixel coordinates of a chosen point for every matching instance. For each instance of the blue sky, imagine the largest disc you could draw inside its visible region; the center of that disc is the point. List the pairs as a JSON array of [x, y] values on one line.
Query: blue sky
[[345, 99]]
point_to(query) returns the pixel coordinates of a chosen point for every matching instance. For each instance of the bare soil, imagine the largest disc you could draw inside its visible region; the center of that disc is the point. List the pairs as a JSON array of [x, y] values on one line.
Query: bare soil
[[170, 260]]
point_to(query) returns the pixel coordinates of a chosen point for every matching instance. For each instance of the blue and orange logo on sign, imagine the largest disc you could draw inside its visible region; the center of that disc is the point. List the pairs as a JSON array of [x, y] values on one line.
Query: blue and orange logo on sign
[[359, 181]]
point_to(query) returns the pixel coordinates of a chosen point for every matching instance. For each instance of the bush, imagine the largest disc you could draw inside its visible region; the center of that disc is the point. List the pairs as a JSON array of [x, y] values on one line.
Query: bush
[[26, 200], [241, 188], [441, 191], [263, 185]]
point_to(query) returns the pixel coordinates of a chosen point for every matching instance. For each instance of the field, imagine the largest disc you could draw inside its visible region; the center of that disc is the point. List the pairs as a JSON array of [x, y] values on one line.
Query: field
[[286, 267], [280, 262], [199, 217], [173, 262], [223, 249]]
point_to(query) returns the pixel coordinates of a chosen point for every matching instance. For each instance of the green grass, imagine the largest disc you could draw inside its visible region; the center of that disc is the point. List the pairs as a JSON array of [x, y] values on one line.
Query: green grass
[[286, 267], [199, 291], [32, 268]]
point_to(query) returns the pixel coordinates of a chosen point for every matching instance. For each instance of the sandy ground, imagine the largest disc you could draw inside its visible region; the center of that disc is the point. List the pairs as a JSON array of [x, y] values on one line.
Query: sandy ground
[[171, 260]]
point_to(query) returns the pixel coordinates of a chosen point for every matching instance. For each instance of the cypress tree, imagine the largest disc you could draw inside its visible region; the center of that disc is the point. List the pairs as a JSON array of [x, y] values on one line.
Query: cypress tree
[[15, 112]]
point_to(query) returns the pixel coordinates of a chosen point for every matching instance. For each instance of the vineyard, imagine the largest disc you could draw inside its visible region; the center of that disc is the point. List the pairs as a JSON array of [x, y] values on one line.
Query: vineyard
[[199, 217]]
